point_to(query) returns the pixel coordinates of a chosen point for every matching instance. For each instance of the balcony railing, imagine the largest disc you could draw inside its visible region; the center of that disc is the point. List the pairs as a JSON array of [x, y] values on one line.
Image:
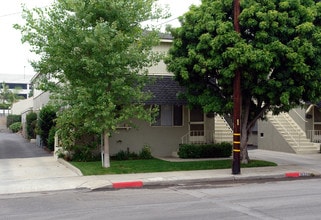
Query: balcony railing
[[314, 136], [198, 137], [206, 137]]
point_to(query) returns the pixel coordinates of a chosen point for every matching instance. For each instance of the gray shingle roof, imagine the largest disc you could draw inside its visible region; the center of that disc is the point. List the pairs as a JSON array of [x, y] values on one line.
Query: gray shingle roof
[[165, 90]]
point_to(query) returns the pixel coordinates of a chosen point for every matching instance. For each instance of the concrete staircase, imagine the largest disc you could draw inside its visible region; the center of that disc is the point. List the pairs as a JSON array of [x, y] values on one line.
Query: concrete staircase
[[223, 132], [292, 133]]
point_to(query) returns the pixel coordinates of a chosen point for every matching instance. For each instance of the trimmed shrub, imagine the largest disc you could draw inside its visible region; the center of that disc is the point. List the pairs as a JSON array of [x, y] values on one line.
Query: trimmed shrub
[[218, 150], [31, 122], [12, 119], [125, 155], [15, 127], [145, 153], [85, 153], [46, 121], [121, 155], [51, 138]]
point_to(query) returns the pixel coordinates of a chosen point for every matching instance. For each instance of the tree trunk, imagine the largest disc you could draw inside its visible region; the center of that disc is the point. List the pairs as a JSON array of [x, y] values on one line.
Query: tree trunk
[[244, 153], [244, 132], [105, 152]]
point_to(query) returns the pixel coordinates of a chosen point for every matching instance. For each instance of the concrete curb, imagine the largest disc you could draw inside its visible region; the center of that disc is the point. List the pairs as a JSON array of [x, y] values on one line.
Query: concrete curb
[[165, 182], [70, 166], [129, 184], [108, 183]]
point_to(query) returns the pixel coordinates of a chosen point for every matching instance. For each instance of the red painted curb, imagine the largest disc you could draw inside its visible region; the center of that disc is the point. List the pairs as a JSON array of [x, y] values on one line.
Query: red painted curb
[[133, 184], [292, 174]]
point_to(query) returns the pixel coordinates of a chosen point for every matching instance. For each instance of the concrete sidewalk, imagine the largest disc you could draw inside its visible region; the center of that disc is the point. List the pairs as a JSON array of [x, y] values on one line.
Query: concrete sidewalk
[[68, 178]]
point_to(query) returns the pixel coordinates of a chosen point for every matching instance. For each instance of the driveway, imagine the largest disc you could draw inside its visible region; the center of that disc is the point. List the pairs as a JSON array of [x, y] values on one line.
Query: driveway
[[21, 160]]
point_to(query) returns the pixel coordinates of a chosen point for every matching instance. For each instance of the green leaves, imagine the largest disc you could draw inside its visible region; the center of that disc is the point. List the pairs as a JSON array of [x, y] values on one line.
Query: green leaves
[[96, 53], [278, 53]]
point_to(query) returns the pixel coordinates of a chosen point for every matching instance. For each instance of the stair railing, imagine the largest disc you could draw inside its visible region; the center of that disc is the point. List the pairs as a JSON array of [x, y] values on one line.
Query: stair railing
[[314, 136]]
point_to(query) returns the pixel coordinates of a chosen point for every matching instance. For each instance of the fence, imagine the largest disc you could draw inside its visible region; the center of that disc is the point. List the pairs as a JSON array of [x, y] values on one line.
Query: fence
[[314, 136]]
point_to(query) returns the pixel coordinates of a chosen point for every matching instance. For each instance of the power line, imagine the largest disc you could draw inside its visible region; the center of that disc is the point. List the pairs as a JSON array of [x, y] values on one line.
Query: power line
[[11, 14], [166, 22], [20, 12]]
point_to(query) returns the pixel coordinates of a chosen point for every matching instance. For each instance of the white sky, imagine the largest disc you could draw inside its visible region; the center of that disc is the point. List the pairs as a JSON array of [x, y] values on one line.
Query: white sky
[[14, 57]]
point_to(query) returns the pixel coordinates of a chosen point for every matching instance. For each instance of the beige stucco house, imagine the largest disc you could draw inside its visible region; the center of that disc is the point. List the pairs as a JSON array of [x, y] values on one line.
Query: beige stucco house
[[175, 124], [298, 131]]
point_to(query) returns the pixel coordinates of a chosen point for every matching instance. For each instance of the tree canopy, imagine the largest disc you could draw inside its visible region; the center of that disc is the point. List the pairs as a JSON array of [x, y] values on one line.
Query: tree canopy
[[7, 96], [94, 56], [278, 53]]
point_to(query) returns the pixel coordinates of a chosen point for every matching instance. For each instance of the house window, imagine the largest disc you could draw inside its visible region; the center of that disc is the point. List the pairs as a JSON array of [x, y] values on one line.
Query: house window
[[169, 115]]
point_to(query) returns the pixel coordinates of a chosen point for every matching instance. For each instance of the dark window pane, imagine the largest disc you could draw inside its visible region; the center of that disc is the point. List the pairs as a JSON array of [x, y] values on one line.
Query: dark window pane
[[166, 115], [196, 115], [178, 115]]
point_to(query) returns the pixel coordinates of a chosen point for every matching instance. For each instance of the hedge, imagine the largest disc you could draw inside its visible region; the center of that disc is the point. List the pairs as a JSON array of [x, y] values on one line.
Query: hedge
[[12, 119], [31, 121], [46, 121], [15, 127], [223, 149]]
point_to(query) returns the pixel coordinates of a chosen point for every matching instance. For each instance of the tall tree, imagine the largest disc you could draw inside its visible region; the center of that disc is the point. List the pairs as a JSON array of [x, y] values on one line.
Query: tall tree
[[277, 51], [7, 96], [97, 53]]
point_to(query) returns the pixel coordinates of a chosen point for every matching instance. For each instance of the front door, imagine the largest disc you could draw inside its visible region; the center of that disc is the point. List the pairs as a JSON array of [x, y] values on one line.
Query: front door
[[196, 126]]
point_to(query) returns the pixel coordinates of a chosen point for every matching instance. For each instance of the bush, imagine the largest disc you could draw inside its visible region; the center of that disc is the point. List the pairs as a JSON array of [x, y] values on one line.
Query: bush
[[125, 155], [121, 155], [85, 153], [4, 106], [12, 119], [15, 127], [145, 153], [46, 121], [31, 122], [51, 138], [223, 149]]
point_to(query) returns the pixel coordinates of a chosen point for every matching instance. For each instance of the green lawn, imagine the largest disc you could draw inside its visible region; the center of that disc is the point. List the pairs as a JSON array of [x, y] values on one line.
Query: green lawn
[[157, 165]]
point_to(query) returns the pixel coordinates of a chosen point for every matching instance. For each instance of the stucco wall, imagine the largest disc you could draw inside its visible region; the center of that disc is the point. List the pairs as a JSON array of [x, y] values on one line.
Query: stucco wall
[[40, 100], [270, 139], [162, 140], [298, 115], [160, 68], [19, 107]]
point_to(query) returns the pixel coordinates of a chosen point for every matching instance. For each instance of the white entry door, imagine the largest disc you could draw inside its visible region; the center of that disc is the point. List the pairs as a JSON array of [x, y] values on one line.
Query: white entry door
[[196, 126]]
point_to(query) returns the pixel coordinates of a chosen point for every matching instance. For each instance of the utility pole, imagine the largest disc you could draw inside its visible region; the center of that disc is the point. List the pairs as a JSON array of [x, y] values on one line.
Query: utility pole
[[236, 168]]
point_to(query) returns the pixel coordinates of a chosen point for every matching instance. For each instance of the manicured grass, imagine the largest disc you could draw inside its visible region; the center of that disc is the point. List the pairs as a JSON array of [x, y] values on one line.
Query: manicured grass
[[156, 165]]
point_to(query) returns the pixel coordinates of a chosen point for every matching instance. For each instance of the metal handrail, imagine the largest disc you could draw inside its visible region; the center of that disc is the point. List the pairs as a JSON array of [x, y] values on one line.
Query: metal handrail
[[204, 137], [314, 136]]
